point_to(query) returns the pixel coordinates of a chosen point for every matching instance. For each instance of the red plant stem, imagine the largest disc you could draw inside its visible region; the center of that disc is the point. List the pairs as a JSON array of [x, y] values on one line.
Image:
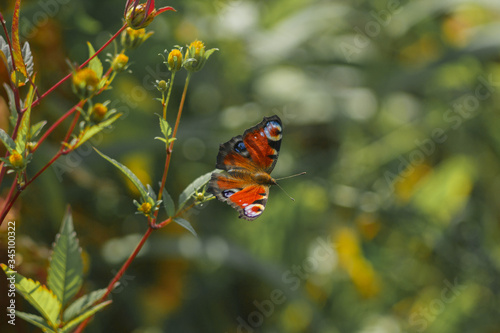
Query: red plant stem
[[11, 199], [72, 127], [57, 123], [118, 276], [8, 201], [51, 89]]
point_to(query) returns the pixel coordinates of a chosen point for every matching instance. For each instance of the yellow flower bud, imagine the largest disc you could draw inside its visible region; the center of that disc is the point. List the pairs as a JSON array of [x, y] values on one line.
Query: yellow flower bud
[[138, 18], [85, 82], [145, 208], [131, 39], [162, 85], [174, 60], [196, 56], [16, 159], [119, 62], [98, 112]]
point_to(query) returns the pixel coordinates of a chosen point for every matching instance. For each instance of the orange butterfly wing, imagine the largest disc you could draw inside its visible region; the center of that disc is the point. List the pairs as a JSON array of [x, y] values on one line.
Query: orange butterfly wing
[[247, 162]]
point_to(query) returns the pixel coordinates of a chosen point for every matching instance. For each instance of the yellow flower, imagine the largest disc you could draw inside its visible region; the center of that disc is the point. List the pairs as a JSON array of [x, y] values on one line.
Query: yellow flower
[[174, 60], [98, 112], [131, 39], [16, 159], [196, 56], [145, 208], [85, 82], [119, 62]]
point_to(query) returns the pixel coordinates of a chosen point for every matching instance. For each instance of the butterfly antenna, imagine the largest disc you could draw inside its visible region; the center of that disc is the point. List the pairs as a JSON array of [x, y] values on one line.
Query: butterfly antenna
[[297, 174], [285, 192]]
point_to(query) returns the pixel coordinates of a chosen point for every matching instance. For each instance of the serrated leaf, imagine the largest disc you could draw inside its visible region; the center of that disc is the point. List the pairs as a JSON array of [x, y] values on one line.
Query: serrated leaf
[[95, 64], [72, 324], [36, 129], [66, 264], [129, 174], [186, 225], [191, 188], [82, 304], [5, 54], [93, 130], [168, 203], [24, 127], [7, 141], [35, 320], [28, 58], [38, 295], [165, 127]]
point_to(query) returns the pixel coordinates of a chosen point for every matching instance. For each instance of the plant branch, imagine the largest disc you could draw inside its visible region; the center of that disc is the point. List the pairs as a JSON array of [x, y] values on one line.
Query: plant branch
[[118, 276], [51, 89], [8, 201], [174, 135]]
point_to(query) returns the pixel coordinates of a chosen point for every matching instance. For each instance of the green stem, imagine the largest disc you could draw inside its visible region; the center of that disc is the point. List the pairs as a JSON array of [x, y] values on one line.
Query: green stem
[[174, 134], [165, 105]]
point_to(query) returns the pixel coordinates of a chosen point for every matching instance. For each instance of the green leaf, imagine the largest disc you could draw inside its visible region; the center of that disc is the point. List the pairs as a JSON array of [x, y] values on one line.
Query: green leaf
[[36, 129], [12, 105], [161, 139], [7, 141], [35, 320], [209, 52], [168, 203], [129, 174], [185, 224], [191, 188], [5, 54], [95, 64], [38, 295], [82, 304], [72, 324], [93, 130], [66, 264], [24, 127], [165, 128], [28, 58]]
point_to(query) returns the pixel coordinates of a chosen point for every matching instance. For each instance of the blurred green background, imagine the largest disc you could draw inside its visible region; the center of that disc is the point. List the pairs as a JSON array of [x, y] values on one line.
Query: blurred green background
[[389, 106]]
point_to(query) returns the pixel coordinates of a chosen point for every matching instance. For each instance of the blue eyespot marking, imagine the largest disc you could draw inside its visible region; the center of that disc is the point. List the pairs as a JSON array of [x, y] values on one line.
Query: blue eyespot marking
[[228, 193], [273, 130], [240, 147]]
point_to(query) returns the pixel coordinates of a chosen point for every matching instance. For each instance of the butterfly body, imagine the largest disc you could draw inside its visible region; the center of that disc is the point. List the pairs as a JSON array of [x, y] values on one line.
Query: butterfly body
[[247, 161]]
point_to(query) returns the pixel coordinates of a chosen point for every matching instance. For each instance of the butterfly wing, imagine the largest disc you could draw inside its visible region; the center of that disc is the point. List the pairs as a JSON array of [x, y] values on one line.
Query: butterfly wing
[[238, 190], [242, 157], [256, 150]]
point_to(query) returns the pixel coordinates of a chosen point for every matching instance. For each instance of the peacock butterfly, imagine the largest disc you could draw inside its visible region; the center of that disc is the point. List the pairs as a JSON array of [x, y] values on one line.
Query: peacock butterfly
[[247, 161]]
